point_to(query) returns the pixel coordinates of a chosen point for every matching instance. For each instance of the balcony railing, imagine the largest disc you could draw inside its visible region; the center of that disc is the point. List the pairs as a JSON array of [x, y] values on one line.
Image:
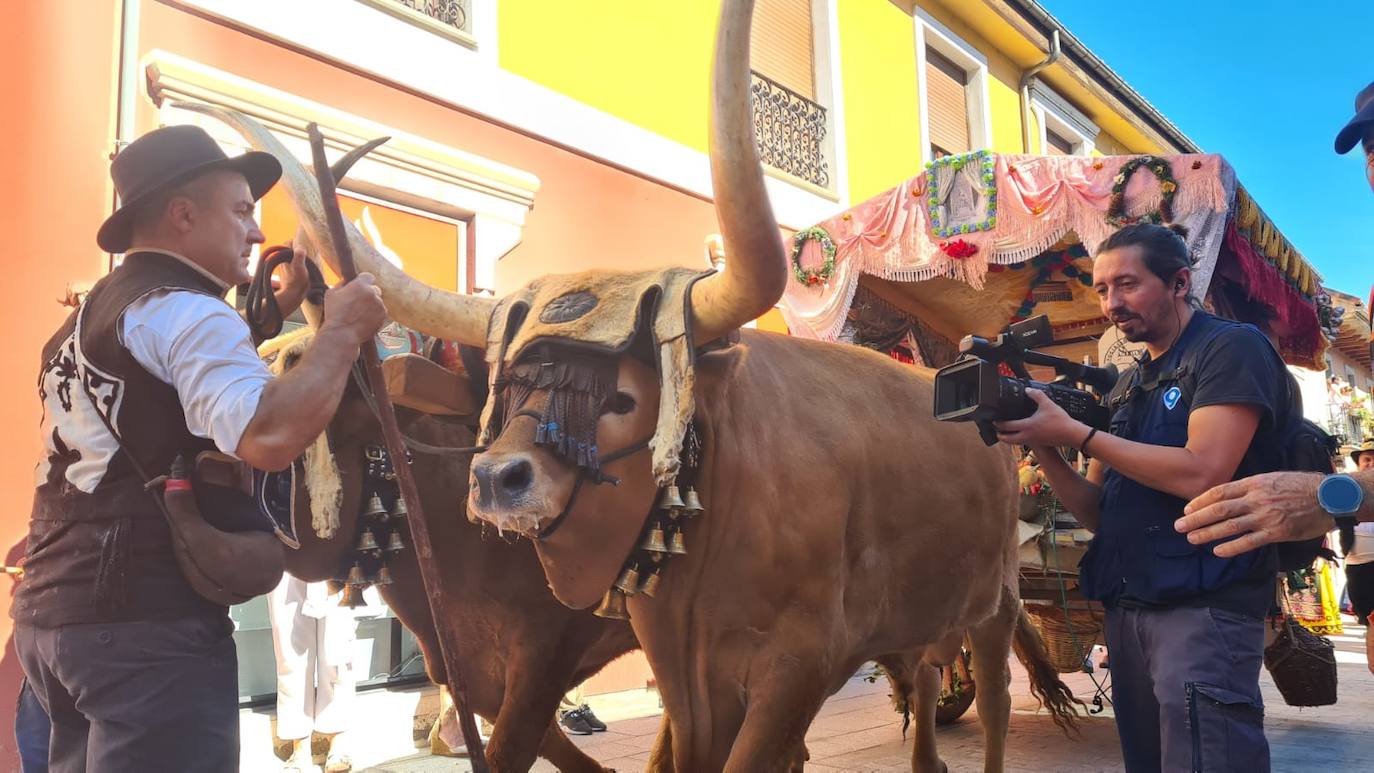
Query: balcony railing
[[790, 130], [453, 13]]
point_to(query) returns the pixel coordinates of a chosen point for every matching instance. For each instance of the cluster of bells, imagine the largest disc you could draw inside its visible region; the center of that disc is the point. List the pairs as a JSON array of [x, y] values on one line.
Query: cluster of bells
[[662, 539], [371, 552]]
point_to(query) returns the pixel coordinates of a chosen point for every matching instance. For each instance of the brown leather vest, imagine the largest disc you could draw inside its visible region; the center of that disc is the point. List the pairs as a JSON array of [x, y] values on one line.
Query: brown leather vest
[[99, 548]]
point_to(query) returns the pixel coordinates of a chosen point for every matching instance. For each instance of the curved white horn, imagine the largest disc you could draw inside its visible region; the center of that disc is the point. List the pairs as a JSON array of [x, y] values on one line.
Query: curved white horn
[[431, 310], [757, 271]]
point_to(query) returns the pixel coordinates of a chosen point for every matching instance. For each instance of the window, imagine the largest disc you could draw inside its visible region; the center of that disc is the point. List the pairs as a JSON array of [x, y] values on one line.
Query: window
[[781, 47], [1056, 145], [450, 18], [947, 101], [1063, 129], [952, 80], [791, 122]]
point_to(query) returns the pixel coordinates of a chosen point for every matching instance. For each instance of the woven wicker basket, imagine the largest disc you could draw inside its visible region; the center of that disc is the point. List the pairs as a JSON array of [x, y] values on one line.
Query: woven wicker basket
[[1067, 642], [1303, 665]]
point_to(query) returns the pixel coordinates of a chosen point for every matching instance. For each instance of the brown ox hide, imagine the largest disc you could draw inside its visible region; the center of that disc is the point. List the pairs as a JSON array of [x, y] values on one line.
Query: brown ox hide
[[524, 648], [842, 524]]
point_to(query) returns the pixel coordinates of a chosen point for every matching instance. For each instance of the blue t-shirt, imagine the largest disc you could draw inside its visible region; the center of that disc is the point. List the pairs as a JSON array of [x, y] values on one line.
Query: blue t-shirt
[[1136, 557]]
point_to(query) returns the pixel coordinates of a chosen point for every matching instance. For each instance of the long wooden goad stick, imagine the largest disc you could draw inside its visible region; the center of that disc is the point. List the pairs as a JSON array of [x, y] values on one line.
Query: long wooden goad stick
[[405, 477]]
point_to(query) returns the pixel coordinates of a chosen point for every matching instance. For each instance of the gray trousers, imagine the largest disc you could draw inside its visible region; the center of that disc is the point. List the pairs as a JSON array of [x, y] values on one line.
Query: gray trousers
[[139, 696], [1185, 689]]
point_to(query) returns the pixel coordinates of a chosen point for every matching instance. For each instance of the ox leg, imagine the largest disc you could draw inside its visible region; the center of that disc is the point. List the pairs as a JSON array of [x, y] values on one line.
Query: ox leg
[[564, 754], [526, 727], [661, 758], [775, 722], [990, 642], [925, 694]]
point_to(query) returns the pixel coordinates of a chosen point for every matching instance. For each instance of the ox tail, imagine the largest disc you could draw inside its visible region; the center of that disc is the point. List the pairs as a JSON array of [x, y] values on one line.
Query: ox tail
[[1045, 684]]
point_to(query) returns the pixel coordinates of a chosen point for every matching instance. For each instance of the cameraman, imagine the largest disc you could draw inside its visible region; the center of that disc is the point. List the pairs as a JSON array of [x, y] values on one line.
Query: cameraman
[[1185, 628]]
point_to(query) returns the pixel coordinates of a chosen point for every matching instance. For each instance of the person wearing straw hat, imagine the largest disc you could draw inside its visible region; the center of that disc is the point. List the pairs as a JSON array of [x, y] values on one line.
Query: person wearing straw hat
[[1357, 543], [136, 670]]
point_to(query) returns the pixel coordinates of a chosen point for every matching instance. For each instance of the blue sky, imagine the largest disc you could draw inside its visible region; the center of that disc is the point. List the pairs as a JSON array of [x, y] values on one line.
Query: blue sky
[[1267, 85]]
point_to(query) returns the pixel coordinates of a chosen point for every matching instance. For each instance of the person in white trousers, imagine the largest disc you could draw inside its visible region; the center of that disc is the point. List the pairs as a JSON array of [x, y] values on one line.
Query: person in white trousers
[[313, 636]]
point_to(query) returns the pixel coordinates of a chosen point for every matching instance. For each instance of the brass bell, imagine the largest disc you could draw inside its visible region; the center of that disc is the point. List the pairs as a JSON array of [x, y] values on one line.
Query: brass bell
[[692, 502], [628, 582], [352, 597], [374, 508], [383, 576], [394, 543], [677, 545], [368, 542], [356, 577], [400, 511], [613, 606], [650, 586], [653, 541], [670, 500]]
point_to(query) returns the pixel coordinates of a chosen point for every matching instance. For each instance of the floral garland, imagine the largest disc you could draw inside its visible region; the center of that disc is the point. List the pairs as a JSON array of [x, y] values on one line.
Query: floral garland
[[1329, 315], [1047, 264], [988, 163], [1116, 208], [813, 276]]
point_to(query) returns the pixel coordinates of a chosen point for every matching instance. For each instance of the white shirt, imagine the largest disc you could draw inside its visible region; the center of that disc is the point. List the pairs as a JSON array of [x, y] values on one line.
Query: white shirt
[[201, 347], [1363, 551]]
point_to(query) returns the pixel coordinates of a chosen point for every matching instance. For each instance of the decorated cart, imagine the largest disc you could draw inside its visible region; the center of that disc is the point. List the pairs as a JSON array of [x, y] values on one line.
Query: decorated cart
[[981, 240]]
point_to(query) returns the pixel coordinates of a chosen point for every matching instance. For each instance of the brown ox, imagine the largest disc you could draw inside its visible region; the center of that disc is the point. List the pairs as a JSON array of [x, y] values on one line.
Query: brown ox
[[525, 649], [843, 524]]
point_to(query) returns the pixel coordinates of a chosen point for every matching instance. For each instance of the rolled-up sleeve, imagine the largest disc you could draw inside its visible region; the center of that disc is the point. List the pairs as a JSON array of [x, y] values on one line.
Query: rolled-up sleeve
[[202, 348]]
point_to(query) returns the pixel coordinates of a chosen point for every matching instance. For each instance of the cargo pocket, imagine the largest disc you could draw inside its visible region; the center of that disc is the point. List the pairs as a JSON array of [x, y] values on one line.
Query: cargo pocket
[[1227, 730], [1175, 565]]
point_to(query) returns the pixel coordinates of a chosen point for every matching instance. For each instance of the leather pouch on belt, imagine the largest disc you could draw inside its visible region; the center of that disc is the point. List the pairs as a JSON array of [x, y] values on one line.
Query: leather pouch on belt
[[224, 567]]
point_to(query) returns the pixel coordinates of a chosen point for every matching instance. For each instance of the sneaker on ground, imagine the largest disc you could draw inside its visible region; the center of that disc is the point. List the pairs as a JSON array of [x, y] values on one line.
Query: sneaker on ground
[[575, 721], [592, 721]]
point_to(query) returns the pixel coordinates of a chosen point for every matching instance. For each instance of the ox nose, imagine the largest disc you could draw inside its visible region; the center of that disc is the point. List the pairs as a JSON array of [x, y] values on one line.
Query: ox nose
[[501, 483]]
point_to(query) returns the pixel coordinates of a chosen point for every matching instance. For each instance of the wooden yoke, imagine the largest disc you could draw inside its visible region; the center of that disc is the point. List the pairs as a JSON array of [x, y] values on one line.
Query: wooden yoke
[[405, 477]]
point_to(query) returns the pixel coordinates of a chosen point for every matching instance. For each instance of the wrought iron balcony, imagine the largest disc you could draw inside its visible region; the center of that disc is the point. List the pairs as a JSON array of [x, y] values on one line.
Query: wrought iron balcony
[[454, 13], [790, 130]]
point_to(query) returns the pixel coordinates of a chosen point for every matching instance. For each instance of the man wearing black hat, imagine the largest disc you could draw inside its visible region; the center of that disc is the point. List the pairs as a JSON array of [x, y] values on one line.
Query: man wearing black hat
[[1287, 506], [137, 670]]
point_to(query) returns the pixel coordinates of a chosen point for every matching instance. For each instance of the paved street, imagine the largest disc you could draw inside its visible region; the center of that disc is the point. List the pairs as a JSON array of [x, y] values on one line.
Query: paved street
[[858, 731]]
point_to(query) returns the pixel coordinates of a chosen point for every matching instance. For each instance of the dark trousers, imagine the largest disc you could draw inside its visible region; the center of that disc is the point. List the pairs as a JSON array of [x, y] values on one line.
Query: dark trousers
[[139, 696], [1185, 689]]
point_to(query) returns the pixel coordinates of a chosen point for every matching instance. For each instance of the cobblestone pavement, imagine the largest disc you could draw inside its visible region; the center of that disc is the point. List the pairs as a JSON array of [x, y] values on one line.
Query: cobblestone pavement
[[857, 731]]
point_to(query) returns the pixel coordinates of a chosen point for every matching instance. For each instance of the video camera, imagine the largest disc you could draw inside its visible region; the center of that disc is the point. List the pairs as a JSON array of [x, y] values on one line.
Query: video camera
[[972, 389]]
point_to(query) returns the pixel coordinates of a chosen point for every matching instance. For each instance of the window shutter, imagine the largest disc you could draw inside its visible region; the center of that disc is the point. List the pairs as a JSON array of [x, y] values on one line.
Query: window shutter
[[781, 46], [1055, 145], [947, 101]]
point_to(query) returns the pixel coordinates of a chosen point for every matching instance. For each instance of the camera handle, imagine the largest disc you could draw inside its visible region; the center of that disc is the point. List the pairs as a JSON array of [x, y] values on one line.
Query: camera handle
[[987, 432]]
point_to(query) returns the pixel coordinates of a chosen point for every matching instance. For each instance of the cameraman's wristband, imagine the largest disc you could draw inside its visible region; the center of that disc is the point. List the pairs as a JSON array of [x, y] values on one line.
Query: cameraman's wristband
[[1083, 447]]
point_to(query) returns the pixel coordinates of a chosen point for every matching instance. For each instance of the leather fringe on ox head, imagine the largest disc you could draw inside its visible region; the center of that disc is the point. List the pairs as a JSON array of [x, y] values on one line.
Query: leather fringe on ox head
[[585, 321]]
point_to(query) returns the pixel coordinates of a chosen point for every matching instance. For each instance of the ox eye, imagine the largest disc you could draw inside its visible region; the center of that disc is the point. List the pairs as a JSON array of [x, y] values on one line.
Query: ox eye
[[620, 403]]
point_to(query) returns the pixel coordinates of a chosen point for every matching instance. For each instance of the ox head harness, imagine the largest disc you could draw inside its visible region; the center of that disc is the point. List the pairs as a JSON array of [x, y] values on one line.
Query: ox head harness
[[579, 390], [578, 393]]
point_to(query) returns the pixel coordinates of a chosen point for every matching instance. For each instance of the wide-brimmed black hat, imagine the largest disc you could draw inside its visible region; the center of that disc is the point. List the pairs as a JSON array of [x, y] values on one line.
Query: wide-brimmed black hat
[[165, 158], [1363, 120]]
